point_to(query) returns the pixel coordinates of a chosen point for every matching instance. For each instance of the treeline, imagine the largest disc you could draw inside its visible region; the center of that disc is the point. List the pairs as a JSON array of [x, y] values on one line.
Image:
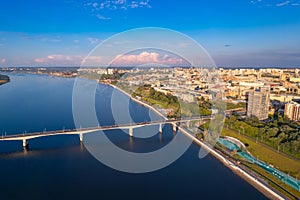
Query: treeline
[[94, 76], [168, 101], [279, 133], [205, 106], [149, 92]]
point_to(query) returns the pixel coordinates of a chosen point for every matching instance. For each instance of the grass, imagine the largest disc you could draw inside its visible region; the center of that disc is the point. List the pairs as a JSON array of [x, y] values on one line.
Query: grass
[[284, 189], [271, 180], [230, 106], [269, 156], [284, 164]]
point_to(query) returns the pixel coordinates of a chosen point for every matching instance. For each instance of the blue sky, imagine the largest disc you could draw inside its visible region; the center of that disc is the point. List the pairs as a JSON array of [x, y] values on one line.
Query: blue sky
[[235, 32]]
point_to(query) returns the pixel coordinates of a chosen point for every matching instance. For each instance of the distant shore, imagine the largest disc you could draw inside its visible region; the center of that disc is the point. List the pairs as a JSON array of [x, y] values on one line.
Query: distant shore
[[4, 79]]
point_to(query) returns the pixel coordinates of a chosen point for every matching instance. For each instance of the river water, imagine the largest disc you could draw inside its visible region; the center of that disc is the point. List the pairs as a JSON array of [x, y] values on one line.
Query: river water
[[59, 167]]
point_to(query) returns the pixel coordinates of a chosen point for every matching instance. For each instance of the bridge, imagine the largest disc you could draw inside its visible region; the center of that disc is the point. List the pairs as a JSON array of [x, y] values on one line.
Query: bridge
[[25, 137]]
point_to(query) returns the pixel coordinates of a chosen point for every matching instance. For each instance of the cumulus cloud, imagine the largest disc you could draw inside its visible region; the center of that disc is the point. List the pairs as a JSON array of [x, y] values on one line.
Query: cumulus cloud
[[147, 57], [59, 59]]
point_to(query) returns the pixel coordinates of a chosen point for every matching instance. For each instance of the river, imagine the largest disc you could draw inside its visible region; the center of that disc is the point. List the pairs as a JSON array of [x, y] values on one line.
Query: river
[[60, 167]]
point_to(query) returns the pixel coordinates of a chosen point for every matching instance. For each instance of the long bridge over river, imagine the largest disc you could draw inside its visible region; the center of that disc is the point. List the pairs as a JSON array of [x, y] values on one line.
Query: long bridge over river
[[174, 122]]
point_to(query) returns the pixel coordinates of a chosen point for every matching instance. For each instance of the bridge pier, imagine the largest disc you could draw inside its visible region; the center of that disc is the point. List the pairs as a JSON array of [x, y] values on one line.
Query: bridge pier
[[160, 128], [131, 132], [174, 127], [25, 143], [81, 137], [188, 123]]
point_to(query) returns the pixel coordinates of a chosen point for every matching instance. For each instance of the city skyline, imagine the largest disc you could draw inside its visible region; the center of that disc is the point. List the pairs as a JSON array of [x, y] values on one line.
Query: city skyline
[[236, 34]]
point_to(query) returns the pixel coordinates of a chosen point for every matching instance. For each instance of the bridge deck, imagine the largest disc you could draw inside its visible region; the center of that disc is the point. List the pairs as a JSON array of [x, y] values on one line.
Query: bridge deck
[[99, 128]]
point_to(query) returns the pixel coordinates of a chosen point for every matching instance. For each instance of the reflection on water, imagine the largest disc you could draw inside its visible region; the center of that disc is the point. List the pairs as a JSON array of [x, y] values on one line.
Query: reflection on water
[[160, 138]]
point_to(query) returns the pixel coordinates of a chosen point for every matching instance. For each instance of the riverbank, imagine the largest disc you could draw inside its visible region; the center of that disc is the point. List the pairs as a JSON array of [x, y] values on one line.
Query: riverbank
[[285, 166], [235, 168], [4, 79], [269, 193], [139, 101]]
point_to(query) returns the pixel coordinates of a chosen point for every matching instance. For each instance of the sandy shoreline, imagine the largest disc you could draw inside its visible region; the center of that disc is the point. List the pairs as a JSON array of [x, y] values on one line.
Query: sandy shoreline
[[269, 193]]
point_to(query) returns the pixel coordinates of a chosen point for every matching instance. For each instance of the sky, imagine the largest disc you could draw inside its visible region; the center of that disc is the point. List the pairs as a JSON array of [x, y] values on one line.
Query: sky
[[235, 33]]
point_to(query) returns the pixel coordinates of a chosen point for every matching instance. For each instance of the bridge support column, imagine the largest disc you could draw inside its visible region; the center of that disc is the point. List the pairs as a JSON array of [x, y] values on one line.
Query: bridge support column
[[160, 128], [25, 143], [188, 123], [131, 132], [81, 137], [174, 128]]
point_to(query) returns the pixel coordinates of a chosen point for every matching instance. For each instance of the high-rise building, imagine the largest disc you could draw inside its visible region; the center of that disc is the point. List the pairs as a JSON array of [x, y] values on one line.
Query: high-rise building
[[258, 102], [292, 111], [258, 75]]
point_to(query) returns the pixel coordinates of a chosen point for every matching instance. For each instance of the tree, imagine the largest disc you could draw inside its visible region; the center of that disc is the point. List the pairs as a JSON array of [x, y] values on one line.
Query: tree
[[272, 132], [232, 120]]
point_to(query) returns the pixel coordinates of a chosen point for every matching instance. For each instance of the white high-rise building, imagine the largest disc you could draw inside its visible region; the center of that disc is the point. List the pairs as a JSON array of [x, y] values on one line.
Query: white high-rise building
[[258, 102]]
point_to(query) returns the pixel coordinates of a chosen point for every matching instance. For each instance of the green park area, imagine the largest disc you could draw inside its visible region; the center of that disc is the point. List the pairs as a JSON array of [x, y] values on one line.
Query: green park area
[[231, 106], [286, 164], [280, 161], [170, 102], [278, 132], [104, 78]]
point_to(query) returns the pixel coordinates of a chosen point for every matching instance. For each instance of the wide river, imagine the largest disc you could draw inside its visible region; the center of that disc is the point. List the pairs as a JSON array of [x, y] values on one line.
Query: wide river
[[59, 167]]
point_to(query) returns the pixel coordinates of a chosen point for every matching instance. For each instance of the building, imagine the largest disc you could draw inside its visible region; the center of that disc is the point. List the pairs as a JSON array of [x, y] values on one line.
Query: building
[[292, 111], [258, 102]]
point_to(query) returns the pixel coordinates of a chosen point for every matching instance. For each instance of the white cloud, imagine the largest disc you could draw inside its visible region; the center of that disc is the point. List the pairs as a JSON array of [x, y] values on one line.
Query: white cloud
[[120, 4], [3, 60], [146, 57], [277, 3], [93, 40], [95, 4], [59, 59], [283, 3], [102, 17], [98, 6], [134, 5], [39, 60], [92, 60]]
